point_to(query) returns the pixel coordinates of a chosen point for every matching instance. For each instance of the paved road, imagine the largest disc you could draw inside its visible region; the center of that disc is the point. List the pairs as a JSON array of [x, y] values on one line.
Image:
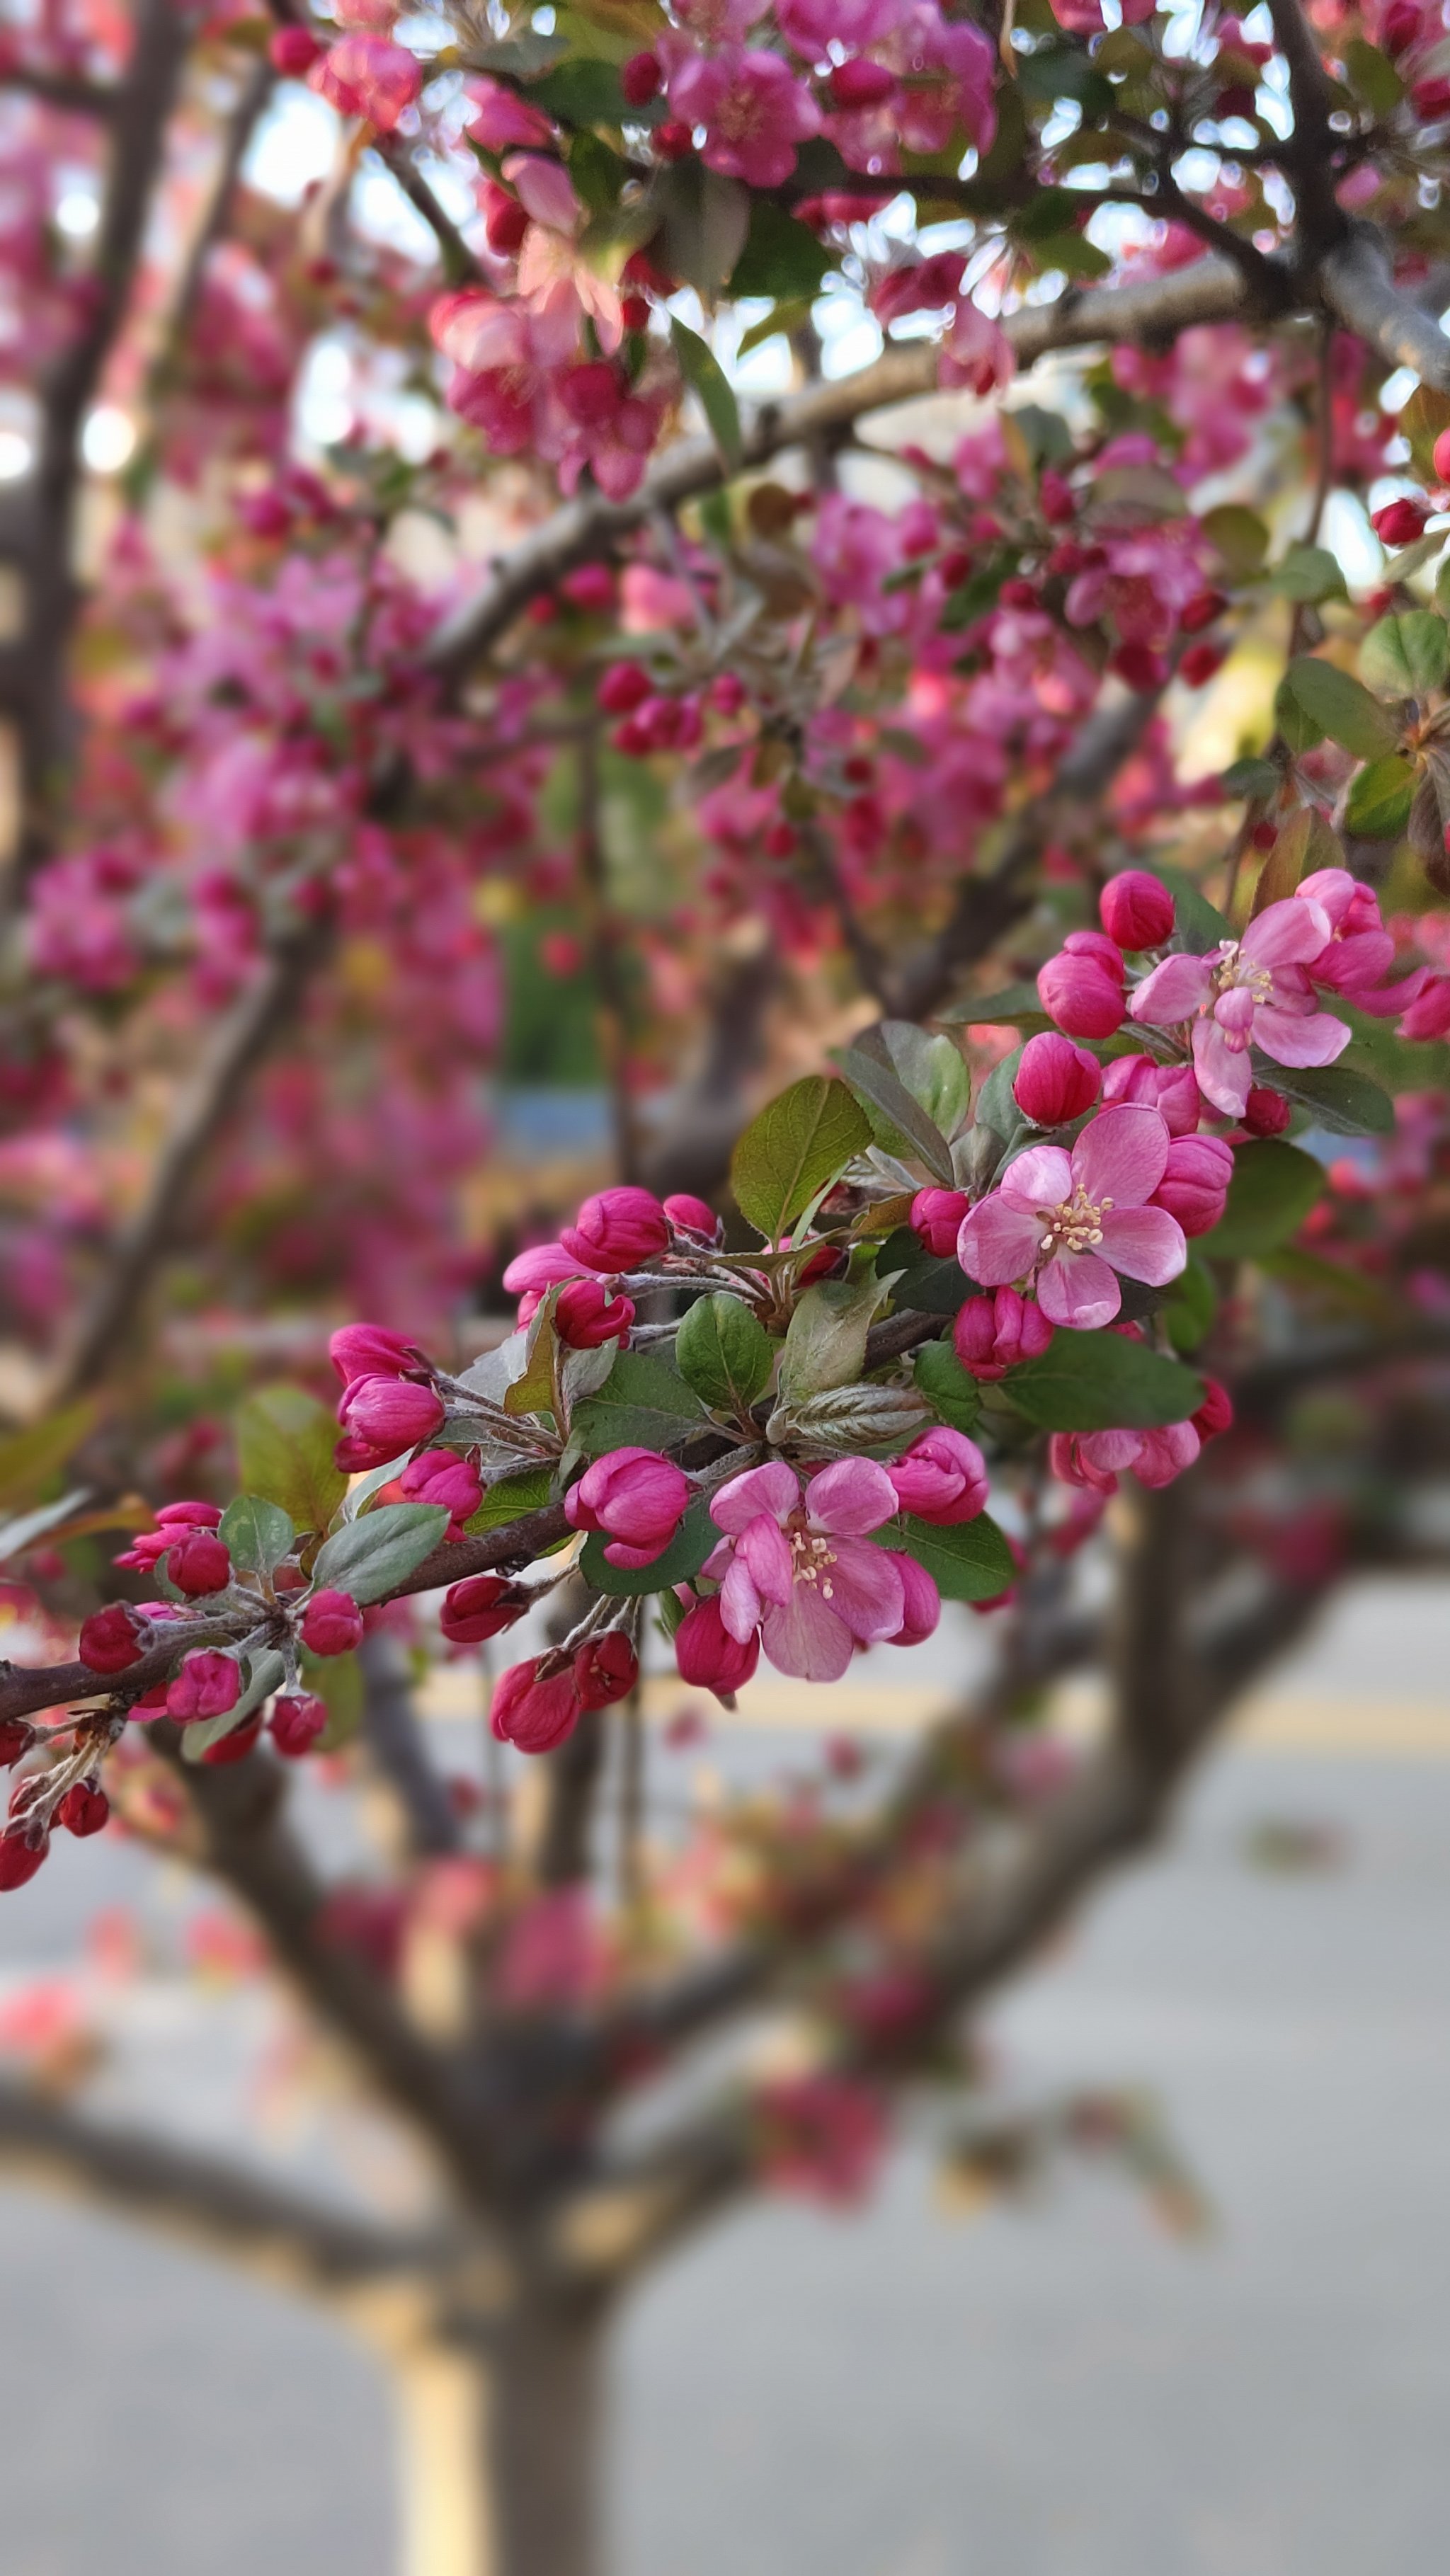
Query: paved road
[[1065, 2393]]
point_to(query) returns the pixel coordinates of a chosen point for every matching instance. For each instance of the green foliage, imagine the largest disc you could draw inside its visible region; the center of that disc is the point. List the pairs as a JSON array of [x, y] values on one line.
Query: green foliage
[[285, 1441], [681, 1560], [1101, 1382], [1380, 798], [1345, 1101], [723, 1351], [1309, 574], [801, 1141], [1274, 1186], [781, 258], [825, 1346], [969, 1561], [702, 371], [508, 1498], [1342, 708], [258, 1533], [950, 1390], [1406, 656], [370, 1557], [643, 1404]]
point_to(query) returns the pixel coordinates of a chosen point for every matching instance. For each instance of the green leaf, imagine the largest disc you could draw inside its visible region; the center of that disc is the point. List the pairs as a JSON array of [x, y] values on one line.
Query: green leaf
[[29, 1458], [258, 1533], [535, 1390], [1272, 1191], [644, 1404], [825, 1345], [704, 220], [1063, 71], [932, 1069], [371, 1557], [1345, 1101], [702, 371], [509, 1498], [264, 1673], [582, 91], [781, 258], [970, 1561], [1016, 1006], [1197, 922], [1372, 76], [1101, 1382], [899, 1124], [1190, 1306], [1309, 574], [1406, 656], [1342, 707], [1250, 778], [684, 1556], [1294, 722], [285, 1441], [338, 1682], [933, 1287], [723, 1351], [1380, 798], [1238, 536], [783, 318], [951, 1390], [799, 1142]]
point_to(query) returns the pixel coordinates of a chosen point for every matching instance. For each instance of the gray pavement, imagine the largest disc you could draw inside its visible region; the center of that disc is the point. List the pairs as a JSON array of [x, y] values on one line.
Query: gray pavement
[[1056, 2392]]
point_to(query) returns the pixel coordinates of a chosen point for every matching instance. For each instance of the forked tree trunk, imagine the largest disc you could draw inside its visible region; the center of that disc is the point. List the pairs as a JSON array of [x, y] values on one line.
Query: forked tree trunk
[[501, 2442]]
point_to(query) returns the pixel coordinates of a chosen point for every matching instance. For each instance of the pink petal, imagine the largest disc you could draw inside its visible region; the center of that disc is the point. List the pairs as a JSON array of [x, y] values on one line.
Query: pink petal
[[1077, 1288], [998, 1242], [1040, 1178], [1145, 1243], [1166, 1453], [740, 1603], [1174, 991], [865, 1589], [806, 1639], [1291, 1040], [850, 1498], [774, 1489], [1222, 1076], [1288, 934], [766, 1550], [1122, 1154], [1112, 1451]]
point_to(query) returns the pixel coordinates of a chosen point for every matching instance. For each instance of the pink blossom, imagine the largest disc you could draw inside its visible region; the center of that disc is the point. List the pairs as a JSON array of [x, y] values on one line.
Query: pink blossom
[[536, 1704], [636, 1497], [1360, 951], [993, 1334], [942, 1477], [1136, 910], [1195, 1181], [801, 1569], [207, 1685], [442, 1476], [332, 1624], [1252, 991], [754, 108], [1056, 1081], [617, 1229], [922, 1611], [586, 1316], [383, 1415], [369, 76], [708, 1656], [481, 1606], [1168, 1088], [544, 189], [1072, 1221], [499, 117], [1081, 988], [936, 1217], [976, 351], [1429, 1013], [1096, 1459], [370, 1350]]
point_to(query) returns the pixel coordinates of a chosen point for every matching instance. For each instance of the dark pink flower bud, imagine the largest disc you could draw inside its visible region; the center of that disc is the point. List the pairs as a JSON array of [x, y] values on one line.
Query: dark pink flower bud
[[605, 1669], [388, 1414], [441, 1476], [859, 83], [623, 687], [585, 1316], [188, 1516], [536, 1704], [1168, 1088], [236, 1746], [1267, 1113], [543, 1266], [1056, 1081], [208, 1684], [992, 1334], [694, 1216], [292, 51], [1400, 522], [20, 1858], [922, 1599], [111, 1639], [708, 1656], [1081, 988], [936, 1220], [637, 1498], [1429, 1014], [16, 1739], [84, 1809], [298, 1718], [481, 1606], [370, 1350], [332, 1624], [617, 1230], [1136, 910], [1195, 1182], [640, 78], [942, 1477], [199, 1564], [1216, 1412]]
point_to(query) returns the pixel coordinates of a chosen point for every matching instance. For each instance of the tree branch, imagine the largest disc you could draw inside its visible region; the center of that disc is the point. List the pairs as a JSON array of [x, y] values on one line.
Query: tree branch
[[395, 1740], [70, 92], [459, 265], [1357, 284]]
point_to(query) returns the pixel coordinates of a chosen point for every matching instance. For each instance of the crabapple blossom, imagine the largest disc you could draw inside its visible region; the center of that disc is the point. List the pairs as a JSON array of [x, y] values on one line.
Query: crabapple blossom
[[1168, 1088], [368, 75], [636, 1498], [297, 1720], [993, 1334], [799, 1566], [535, 1705], [1071, 1222], [482, 1605], [382, 1415], [942, 1477], [605, 1669], [1136, 910], [442, 1476], [921, 1611], [617, 1230], [707, 1654], [208, 1684], [199, 1563], [586, 1316], [1081, 988], [754, 108], [370, 1350], [1253, 991], [1195, 1181], [1055, 1081], [331, 1624], [936, 1217], [1096, 1459], [112, 1639], [84, 1810]]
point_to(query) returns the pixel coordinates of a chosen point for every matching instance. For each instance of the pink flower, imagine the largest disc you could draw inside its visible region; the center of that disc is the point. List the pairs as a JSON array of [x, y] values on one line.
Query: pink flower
[[298, 1718], [370, 1350], [1056, 1081], [1195, 1181], [617, 1230], [332, 1624], [1251, 991], [1168, 1088], [708, 1656], [1361, 951], [199, 1563], [500, 117], [531, 1274], [942, 1478], [754, 110], [992, 1334], [1082, 986], [636, 1497], [824, 2135], [800, 1568], [368, 76], [1136, 910], [1096, 1459], [1429, 1013], [922, 1601], [536, 1704], [1074, 1221], [207, 1685], [383, 1415], [442, 1476], [586, 1316], [605, 1669], [482, 1605], [976, 351], [693, 1216], [936, 1218], [112, 1638], [544, 189]]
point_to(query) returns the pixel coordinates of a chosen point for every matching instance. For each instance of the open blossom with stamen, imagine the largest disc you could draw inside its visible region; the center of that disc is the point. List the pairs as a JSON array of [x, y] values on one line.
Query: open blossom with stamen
[[1254, 991], [1074, 1220], [800, 1568]]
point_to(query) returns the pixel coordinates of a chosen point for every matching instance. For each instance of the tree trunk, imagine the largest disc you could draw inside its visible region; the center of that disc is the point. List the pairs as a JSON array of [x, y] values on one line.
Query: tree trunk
[[501, 2441]]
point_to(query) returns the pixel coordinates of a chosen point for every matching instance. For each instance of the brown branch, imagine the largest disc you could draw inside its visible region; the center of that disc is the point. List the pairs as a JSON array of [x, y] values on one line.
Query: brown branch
[[395, 1740], [241, 125], [602, 939], [1357, 284], [243, 2217], [459, 264], [70, 92], [1308, 157], [584, 529]]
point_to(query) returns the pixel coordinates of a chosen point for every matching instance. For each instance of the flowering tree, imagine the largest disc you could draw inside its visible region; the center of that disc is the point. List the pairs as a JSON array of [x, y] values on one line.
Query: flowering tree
[[848, 748]]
